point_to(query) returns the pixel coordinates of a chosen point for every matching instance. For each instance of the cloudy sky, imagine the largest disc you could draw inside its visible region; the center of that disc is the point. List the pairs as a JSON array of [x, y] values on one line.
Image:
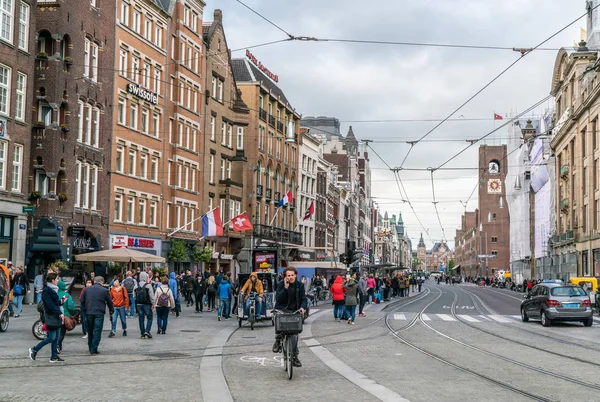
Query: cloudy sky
[[359, 83]]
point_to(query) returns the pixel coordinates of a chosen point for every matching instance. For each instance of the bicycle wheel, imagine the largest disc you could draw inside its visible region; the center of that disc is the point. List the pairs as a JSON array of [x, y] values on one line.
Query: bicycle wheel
[[289, 356], [251, 316], [284, 352], [37, 330]]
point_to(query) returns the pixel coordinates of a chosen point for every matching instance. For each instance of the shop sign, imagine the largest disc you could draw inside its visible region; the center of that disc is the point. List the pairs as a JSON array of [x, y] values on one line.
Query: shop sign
[[3, 132], [140, 243], [119, 241], [321, 256], [82, 243], [259, 258], [261, 67], [143, 93], [77, 231], [221, 256], [306, 256]]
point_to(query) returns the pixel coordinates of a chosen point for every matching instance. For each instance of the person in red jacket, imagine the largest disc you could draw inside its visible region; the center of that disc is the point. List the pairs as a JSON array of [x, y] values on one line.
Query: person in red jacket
[[337, 291]]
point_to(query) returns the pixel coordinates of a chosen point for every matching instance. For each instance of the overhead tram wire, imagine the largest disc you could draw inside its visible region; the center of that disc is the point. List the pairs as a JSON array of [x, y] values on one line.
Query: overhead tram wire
[[290, 36], [494, 80]]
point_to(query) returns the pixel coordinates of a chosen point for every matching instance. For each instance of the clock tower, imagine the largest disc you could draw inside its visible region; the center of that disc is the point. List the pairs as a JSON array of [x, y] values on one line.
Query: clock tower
[[493, 221]]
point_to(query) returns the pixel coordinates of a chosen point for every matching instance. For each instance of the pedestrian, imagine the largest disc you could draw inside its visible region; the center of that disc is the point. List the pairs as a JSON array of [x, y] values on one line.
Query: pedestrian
[[163, 303], [189, 289], [20, 288], [144, 299], [199, 291], [362, 294], [351, 288], [94, 301], [420, 283], [88, 283], [337, 292], [38, 287], [407, 287], [53, 317], [211, 292], [130, 284], [120, 300], [401, 285], [68, 308], [224, 298], [174, 286]]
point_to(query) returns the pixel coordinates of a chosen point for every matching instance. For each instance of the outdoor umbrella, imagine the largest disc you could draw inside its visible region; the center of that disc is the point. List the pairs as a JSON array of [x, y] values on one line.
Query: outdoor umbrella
[[119, 255]]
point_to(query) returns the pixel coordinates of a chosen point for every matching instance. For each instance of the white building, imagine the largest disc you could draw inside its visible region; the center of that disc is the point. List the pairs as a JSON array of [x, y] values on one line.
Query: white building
[[309, 158]]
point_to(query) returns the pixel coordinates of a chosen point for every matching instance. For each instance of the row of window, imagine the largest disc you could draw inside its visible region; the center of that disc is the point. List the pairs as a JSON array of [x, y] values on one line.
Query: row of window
[[136, 119], [189, 93], [88, 128], [90, 60], [187, 134], [153, 30], [227, 134], [6, 90], [189, 54], [225, 169], [17, 167], [138, 210], [146, 168], [86, 186], [185, 174], [9, 9], [285, 182], [279, 145], [217, 88], [140, 70], [283, 220]]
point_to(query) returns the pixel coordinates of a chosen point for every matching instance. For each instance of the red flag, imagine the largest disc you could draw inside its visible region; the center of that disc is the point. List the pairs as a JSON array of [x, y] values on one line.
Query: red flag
[[310, 211], [241, 223], [498, 117]]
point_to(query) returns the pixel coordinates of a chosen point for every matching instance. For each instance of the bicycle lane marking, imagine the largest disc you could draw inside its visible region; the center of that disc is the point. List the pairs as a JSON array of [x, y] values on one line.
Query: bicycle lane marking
[[372, 387], [212, 381]]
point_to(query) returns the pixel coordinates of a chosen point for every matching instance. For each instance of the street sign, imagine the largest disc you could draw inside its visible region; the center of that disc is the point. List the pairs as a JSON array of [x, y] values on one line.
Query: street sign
[[486, 256], [28, 209], [59, 228], [22, 226]]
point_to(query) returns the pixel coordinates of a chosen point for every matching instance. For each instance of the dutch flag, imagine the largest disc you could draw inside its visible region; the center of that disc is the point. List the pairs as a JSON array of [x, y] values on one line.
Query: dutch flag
[[212, 224], [287, 198]]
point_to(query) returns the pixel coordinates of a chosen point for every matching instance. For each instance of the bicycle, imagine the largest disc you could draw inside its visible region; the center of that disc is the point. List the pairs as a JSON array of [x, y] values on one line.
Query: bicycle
[[289, 325]]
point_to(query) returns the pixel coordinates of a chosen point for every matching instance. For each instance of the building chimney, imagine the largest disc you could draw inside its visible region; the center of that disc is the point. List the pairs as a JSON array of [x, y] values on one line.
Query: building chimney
[[218, 15]]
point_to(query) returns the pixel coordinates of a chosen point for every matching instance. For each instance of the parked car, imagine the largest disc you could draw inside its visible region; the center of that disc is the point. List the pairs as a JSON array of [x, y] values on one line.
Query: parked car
[[552, 302]]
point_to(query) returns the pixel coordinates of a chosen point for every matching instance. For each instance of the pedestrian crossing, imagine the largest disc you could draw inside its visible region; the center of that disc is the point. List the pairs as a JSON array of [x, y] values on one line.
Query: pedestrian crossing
[[503, 319]]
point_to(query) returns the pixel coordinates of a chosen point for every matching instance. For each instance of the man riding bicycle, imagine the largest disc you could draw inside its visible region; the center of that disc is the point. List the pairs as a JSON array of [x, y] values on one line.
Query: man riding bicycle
[[253, 288], [290, 297]]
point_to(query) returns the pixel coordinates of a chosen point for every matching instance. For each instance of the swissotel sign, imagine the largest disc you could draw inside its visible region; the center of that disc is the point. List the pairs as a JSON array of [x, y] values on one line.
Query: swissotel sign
[[142, 93]]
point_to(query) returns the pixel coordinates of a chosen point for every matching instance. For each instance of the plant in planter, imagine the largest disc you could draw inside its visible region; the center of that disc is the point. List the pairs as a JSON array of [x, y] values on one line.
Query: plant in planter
[[68, 60], [42, 55], [65, 127], [39, 124], [35, 195], [57, 266], [62, 197]]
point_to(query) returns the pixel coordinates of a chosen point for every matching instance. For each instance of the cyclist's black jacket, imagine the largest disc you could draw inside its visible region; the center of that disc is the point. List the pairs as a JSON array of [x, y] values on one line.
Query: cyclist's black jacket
[[281, 302]]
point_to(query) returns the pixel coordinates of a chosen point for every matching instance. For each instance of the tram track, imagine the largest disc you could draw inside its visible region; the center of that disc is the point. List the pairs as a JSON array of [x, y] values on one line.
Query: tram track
[[397, 334]]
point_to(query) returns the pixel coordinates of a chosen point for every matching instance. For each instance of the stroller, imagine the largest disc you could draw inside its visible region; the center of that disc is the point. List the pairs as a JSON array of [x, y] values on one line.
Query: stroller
[[4, 297]]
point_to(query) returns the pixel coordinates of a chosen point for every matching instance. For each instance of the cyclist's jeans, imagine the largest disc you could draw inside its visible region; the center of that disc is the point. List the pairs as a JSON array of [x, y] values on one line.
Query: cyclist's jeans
[[257, 308], [279, 339]]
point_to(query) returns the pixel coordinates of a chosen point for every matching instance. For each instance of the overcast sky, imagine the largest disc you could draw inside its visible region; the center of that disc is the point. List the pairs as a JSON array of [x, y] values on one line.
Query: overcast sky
[[390, 82]]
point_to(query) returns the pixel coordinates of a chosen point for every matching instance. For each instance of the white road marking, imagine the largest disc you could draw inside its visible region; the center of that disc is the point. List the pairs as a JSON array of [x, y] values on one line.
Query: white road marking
[[425, 317], [399, 316], [499, 318], [484, 318], [446, 317], [212, 381], [469, 318]]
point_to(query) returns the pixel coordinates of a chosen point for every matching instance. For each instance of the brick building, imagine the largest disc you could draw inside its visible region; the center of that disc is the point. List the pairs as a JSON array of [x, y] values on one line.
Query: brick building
[[72, 113], [227, 118], [18, 49]]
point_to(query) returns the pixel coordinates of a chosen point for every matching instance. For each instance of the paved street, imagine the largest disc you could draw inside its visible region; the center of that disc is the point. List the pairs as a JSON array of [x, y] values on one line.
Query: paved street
[[449, 343]]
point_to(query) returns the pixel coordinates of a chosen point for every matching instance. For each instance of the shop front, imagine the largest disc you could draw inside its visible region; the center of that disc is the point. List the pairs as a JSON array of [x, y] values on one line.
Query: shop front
[[265, 261], [146, 244], [82, 241]]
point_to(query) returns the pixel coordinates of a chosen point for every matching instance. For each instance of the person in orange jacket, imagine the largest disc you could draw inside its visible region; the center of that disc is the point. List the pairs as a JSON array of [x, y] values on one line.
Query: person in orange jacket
[[337, 291], [120, 299]]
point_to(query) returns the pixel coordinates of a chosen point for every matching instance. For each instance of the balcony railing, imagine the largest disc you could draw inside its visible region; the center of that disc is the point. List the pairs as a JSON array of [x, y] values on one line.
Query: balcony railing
[[564, 204], [268, 194], [564, 172], [262, 114], [259, 192], [280, 126], [277, 234], [271, 120]]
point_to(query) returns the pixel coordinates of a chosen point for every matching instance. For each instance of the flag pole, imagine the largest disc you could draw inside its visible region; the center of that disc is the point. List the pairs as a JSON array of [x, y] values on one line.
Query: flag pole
[[189, 223], [274, 216]]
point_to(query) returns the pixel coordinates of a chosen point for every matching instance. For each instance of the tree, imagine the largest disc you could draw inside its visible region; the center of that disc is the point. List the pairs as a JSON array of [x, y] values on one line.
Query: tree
[[178, 252], [202, 254], [415, 263], [451, 265]]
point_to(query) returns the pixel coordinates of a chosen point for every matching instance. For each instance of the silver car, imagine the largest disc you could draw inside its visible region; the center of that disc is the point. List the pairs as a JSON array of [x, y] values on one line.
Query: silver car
[[557, 302]]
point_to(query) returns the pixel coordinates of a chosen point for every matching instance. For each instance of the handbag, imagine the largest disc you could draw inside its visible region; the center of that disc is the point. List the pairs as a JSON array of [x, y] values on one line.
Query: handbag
[[70, 323], [52, 321], [18, 290]]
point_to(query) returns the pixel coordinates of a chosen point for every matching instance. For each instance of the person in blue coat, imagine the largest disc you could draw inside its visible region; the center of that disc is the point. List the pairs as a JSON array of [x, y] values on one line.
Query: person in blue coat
[[174, 289]]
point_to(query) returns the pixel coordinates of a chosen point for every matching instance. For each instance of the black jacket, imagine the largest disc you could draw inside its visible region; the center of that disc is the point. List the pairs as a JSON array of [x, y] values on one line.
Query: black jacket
[[22, 280], [51, 302], [95, 299], [282, 296]]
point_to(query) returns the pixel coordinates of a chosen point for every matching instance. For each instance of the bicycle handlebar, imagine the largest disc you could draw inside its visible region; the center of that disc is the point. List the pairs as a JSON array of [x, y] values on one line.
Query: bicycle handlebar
[[283, 312]]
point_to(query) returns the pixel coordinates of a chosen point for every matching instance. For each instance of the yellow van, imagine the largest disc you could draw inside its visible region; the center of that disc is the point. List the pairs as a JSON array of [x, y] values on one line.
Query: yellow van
[[589, 284]]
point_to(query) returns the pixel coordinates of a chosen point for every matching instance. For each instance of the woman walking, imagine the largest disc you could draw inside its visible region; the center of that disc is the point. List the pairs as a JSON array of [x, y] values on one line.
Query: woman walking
[[371, 284], [351, 288], [337, 292], [163, 303], [53, 318], [211, 292], [68, 308]]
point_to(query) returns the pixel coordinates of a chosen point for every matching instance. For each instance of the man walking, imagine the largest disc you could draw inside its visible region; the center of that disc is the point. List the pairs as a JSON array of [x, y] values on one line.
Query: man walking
[[130, 284], [362, 293], [38, 286], [94, 301], [144, 299], [224, 299]]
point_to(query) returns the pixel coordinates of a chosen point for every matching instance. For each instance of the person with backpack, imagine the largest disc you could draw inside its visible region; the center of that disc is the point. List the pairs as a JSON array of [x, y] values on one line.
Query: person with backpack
[[130, 284], [144, 299], [118, 294], [163, 303]]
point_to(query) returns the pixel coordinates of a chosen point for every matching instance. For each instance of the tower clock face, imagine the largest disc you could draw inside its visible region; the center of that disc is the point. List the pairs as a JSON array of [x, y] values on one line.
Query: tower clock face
[[494, 168]]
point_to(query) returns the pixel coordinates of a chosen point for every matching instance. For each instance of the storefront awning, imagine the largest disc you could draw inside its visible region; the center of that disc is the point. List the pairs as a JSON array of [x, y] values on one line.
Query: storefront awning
[[119, 255]]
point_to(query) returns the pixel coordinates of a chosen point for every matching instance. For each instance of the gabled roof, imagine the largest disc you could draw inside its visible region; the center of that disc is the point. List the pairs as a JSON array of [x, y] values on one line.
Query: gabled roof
[[244, 71]]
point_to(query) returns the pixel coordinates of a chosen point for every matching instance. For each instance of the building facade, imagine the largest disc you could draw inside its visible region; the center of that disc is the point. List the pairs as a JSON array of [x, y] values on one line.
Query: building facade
[[227, 118], [71, 136], [272, 147], [307, 193], [17, 77]]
